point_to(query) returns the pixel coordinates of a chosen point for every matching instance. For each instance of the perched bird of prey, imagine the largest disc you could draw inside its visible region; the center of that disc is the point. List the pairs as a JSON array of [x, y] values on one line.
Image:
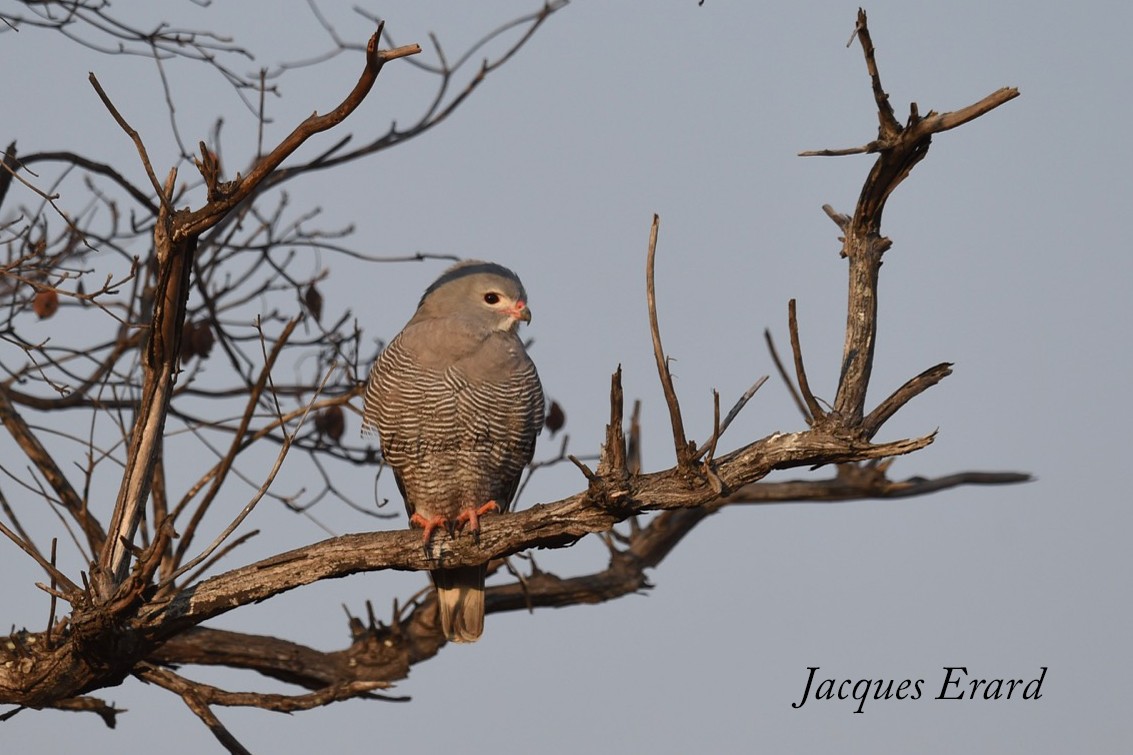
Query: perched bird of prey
[[457, 404]]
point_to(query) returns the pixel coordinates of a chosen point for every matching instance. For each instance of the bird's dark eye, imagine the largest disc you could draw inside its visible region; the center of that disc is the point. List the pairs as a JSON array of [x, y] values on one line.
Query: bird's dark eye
[[492, 297]]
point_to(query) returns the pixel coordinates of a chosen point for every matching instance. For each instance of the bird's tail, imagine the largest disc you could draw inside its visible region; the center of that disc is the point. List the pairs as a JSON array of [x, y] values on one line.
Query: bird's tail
[[460, 594]]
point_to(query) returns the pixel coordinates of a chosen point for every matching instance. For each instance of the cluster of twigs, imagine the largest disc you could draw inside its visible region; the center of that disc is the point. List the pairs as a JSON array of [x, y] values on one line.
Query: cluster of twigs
[[141, 606]]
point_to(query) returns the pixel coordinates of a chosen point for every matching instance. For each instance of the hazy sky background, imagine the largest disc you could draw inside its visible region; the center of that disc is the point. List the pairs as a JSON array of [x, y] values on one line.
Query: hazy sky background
[[1011, 258]]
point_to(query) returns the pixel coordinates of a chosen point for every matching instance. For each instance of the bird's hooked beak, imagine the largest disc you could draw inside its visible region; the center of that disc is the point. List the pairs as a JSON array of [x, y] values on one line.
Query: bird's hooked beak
[[520, 311]]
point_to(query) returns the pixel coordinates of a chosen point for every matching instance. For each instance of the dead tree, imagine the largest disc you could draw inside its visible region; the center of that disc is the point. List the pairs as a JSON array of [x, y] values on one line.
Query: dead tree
[[176, 299]]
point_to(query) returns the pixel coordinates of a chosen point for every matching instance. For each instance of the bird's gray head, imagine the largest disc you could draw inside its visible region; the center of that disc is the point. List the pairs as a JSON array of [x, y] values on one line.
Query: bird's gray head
[[478, 290]]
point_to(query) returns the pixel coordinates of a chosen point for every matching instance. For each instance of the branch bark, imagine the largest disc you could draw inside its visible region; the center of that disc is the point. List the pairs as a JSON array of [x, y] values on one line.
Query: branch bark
[[552, 525], [386, 652]]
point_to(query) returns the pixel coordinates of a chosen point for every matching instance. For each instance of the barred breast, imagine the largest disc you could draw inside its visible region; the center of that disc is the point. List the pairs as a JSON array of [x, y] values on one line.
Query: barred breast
[[457, 412]]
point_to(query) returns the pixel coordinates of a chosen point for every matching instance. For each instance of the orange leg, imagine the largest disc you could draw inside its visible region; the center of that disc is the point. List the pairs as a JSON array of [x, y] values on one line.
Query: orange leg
[[429, 525], [472, 516]]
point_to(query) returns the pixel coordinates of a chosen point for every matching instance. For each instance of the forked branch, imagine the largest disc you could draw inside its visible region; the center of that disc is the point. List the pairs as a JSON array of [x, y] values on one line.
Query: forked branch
[[899, 149], [196, 223]]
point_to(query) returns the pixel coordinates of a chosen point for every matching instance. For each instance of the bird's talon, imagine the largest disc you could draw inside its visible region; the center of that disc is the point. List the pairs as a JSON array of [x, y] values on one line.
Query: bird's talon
[[472, 516], [428, 525]]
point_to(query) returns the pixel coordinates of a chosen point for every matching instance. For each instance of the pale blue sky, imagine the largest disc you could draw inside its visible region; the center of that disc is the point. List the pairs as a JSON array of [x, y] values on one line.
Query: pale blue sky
[[1011, 259]]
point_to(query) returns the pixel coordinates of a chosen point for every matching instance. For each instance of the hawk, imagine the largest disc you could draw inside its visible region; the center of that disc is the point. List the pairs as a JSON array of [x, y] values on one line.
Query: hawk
[[457, 404]]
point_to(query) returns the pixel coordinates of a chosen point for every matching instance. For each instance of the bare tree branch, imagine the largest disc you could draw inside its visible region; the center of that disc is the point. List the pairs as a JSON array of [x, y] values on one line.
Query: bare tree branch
[[900, 149], [683, 448], [38, 455], [195, 223]]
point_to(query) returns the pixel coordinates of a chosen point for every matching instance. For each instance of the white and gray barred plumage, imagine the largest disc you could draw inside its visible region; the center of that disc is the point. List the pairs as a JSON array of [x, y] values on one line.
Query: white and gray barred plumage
[[457, 404]]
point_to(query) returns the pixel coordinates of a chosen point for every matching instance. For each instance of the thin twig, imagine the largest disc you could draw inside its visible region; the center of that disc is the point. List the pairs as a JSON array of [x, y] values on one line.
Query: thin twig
[[108, 713], [785, 377], [219, 555], [47, 566], [22, 433], [11, 167], [717, 430], [815, 410], [633, 445], [238, 439], [137, 139], [203, 712], [732, 413], [587, 472], [255, 498], [912, 388], [54, 598], [680, 442], [863, 487]]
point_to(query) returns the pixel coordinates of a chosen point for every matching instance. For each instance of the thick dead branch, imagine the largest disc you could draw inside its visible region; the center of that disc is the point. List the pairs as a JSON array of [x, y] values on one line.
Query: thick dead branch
[[899, 149], [610, 483], [162, 354], [387, 652], [542, 526]]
